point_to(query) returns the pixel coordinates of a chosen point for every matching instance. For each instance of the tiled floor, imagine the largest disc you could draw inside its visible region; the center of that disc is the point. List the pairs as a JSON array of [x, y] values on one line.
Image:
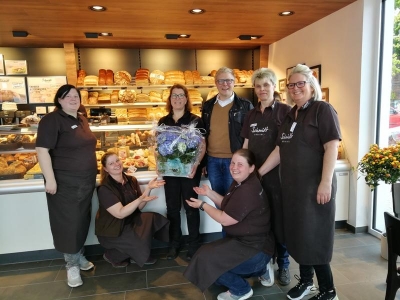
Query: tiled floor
[[359, 273]]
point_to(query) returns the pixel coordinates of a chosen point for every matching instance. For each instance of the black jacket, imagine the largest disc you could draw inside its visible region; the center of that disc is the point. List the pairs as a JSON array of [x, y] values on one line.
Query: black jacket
[[237, 113]]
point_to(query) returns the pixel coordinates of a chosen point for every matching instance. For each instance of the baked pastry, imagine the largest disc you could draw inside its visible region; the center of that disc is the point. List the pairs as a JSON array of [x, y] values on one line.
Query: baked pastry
[[142, 98], [7, 95], [109, 77]]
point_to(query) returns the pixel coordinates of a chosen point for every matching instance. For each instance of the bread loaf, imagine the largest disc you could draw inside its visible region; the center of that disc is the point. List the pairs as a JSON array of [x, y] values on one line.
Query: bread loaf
[[91, 80], [102, 77], [157, 77], [109, 77], [142, 98], [137, 114], [84, 96], [122, 78], [127, 96]]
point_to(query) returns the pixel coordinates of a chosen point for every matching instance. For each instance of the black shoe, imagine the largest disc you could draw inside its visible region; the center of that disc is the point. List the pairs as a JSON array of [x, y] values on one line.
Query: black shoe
[[283, 276], [301, 289], [190, 254], [329, 295], [172, 253]]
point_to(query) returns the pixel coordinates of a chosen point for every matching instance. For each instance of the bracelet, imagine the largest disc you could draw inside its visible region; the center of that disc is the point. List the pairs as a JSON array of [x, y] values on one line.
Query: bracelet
[[201, 206]]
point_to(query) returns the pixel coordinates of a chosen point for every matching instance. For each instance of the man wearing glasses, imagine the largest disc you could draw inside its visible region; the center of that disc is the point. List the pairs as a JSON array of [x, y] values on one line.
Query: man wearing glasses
[[223, 117]]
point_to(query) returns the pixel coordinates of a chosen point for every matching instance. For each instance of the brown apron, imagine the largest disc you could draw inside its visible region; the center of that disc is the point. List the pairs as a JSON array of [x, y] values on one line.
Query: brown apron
[[308, 226], [70, 209]]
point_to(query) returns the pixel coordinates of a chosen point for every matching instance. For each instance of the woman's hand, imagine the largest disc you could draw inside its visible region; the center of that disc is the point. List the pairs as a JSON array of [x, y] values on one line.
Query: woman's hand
[[324, 193], [154, 183], [146, 199], [51, 187], [193, 202], [203, 190]]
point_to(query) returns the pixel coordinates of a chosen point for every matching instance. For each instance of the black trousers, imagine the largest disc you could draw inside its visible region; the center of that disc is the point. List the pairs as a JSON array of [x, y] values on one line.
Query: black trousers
[[177, 190], [324, 276]]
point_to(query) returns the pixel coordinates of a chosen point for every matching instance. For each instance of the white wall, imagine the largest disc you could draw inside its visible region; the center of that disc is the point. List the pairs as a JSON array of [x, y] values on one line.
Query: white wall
[[345, 43]]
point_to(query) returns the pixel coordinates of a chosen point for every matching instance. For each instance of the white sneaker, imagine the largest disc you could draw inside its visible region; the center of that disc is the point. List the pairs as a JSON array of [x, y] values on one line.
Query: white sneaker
[[74, 277], [228, 296], [84, 264], [268, 278]]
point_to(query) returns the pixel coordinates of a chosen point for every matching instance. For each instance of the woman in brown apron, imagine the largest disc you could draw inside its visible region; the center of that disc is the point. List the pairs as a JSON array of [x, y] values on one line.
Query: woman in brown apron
[[249, 242], [307, 149]]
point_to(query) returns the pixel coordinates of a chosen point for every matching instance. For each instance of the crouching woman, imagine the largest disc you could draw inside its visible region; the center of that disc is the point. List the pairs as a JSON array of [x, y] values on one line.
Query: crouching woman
[[249, 243]]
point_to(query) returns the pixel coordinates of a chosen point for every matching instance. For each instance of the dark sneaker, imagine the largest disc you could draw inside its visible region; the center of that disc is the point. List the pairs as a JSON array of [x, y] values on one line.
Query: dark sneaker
[[301, 289], [172, 253], [284, 276], [121, 264], [329, 295]]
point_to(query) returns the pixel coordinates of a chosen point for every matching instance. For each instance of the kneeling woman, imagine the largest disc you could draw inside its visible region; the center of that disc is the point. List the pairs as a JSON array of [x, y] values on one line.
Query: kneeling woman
[[121, 228], [249, 243]]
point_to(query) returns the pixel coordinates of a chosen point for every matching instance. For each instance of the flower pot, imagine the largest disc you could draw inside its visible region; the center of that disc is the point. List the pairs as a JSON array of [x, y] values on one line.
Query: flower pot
[[384, 246]]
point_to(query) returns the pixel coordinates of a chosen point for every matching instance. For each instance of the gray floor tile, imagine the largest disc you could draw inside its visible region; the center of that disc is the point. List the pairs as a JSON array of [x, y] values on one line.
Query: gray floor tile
[[110, 284], [110, 296], [180, 291], [28, 276], [42, 291], [24, 266], [166, 276]]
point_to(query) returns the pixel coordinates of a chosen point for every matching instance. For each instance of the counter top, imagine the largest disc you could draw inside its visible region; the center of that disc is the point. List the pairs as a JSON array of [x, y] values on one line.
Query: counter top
[[18, 186]]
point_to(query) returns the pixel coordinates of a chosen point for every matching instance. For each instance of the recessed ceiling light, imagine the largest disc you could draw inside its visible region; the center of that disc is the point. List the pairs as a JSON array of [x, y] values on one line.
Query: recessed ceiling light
[[286, 13], [175, 36], [246, 37], [197, 11], [97, 8], [105, 34]]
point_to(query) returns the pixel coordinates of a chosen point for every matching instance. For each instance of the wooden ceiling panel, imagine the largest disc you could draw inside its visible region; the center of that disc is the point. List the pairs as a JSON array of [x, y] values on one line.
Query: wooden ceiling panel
[[51, 23]]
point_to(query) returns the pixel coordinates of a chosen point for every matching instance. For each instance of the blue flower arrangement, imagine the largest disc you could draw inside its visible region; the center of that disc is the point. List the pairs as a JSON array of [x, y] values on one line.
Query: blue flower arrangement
[[177, 149]]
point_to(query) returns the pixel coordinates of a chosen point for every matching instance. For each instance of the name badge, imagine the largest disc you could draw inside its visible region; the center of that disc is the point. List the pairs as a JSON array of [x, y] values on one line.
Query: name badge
[[74, 126], [293, 126]]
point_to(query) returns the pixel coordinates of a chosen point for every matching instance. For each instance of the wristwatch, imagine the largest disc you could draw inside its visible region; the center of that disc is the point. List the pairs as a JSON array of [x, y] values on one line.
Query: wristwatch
[[201, 206]]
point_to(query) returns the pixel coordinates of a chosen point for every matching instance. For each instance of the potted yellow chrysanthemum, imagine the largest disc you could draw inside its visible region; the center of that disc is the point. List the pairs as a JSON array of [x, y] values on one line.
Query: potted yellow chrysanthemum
[[381, 164]]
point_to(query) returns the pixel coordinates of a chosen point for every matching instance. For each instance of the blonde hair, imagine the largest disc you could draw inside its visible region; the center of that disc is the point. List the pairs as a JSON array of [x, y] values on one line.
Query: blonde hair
[[306, 71]]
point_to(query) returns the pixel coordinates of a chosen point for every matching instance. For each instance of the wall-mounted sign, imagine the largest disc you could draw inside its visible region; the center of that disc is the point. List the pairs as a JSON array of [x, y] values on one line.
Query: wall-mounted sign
[[12, 89], [43, 89], [16, 67], [2, 71]]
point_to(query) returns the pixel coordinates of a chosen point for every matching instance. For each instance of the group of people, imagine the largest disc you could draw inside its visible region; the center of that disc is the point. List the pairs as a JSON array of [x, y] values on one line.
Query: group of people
[[271, 170]]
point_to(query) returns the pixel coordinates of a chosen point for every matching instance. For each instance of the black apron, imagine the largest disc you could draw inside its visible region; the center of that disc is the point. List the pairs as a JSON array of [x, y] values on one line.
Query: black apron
[[70, 209], [308, 226], [262, 146]]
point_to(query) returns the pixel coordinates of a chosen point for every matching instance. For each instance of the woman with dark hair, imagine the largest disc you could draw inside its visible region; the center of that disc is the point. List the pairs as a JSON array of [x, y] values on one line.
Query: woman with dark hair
[[179, 188], [307, 148], [122, 229], [66, 151], [249, 243]]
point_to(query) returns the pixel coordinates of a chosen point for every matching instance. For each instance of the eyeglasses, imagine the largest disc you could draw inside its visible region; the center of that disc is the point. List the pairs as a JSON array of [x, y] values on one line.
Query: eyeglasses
[[299, 84], [227, 81], [180, 96]]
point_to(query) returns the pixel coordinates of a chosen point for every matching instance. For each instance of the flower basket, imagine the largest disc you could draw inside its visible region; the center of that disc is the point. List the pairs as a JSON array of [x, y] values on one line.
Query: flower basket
[[177, 149], [381, 165]]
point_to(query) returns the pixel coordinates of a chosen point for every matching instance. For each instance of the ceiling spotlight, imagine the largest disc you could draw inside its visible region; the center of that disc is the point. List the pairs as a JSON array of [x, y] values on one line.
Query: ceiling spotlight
[[175, 36], [20, 33], [247, 37], [105, 34], [197, 11], [91, 35], [286, 13], [97, 8]]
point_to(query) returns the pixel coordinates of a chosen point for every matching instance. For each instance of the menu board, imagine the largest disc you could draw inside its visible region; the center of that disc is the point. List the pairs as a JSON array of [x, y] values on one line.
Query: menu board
[[12, 89], [43, 89]]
